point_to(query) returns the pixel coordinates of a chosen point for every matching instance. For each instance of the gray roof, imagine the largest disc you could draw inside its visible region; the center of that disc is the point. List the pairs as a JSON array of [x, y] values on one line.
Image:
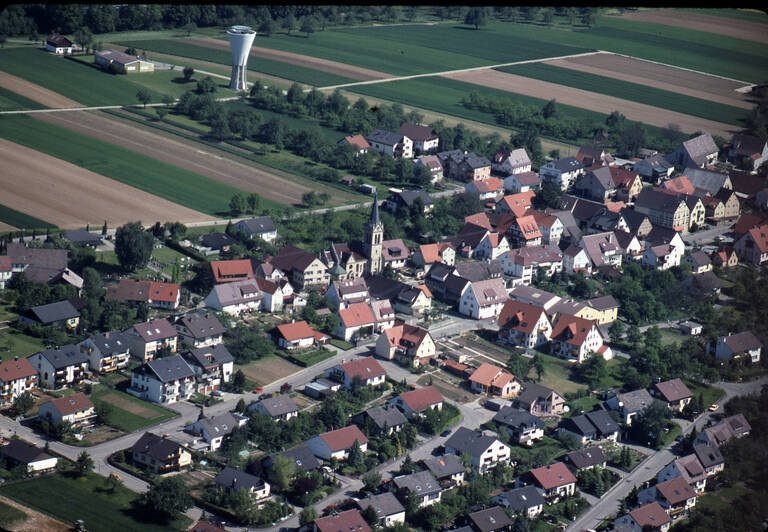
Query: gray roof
[[262, 224], [567, 164], [232, 478], [382, 136], [520, 499], [444, 466], [603, 422], [469, 441], [410, 196], [589, 456], [169, 368], [656, 199], [23, 452], [384, 504], [602, 302], [217, 240], [53, 312], [517, 418], [478, 270], [710, 181], [278, 405], [220, 425], [82, 237], [111, 342], [206, 357], [490, 519], [579, 425], [708, 455], [64, 356], [157, 447], [302, 456], [533, 392], [699, 147], [389, 416], [421, 483], [202, 325], [742, 342], [635, 401], [476, 161]]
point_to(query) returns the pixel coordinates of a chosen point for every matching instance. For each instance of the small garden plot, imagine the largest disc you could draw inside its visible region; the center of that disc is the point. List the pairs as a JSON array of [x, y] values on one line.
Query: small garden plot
[[128, 413], [311, 357], [626, 460], [448, 389], [268, 370]]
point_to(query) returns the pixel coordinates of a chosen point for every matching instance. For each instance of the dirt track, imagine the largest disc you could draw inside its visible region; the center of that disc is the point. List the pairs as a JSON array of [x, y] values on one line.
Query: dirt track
[[663, 77], [69, 196], [36, 92], [188, 156], [325, 65], [592, 101], [732, 27]]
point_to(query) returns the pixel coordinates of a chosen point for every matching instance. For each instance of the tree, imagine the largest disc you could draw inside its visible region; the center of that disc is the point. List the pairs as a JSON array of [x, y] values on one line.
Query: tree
[[133, 246], [356, 456], [84, 37], [589, 17], [206, 85], [144, 96], [190, 28], [550, 109], [307, 515], [477, 16], [254, 203], [23, 403], [238, 381], [3, 40], [282, 471], [113, 482], [84, 463], [188, 72], [548, 16], [538, 365], [237, 204], [289, 24], [371, 481], [168, 496], [267, 27], [307, 26], [593, 371], [616, 331]]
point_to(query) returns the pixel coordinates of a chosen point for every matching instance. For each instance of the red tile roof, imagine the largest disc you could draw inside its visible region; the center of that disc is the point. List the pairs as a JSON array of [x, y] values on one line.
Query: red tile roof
[[651, 515], [675, 490], [357, 140], [553, 476], [492, 184], [479, 219], [5, 263], [673, 390], [72, 403], [365, 368], [520, 316], [405, 334], [357, 315], [340, 439], [422, 398], [136, 290], [490, 375], [572, 329], [528, 227], [349, 521], [226, 271], [759, 235], [520, 202], [11, 370], [296, 331]]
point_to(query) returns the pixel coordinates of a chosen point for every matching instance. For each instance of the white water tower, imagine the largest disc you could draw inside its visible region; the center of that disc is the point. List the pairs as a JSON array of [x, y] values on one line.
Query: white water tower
[[240, 40]]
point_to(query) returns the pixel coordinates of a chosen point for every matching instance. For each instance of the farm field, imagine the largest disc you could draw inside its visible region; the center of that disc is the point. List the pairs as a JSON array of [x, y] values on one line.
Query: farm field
[[129, 413], [19, 518], [70, 196], [224, 57], [35, 96], [11, 101], [647, 114], [19, 220], [269, 370], [644, 94]]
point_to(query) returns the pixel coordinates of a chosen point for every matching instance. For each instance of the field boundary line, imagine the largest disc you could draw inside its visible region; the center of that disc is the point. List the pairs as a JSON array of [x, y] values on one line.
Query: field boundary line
[[103, 107]]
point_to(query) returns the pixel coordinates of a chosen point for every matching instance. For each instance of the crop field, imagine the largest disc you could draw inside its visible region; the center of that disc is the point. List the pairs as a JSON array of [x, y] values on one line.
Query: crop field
[[630, 91], [255, 64], [130, 167], [22, 220], [10, 101], [269, 369]]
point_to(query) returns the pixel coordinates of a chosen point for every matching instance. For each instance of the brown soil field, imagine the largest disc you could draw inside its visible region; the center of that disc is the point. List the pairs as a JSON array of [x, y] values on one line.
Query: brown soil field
[[36, 92], [732, 27], [6, 227], [325, 65], [69, 196], [128, 406], [166, 147], [592, 101], [663, 77], [269, 370], [36, 521]]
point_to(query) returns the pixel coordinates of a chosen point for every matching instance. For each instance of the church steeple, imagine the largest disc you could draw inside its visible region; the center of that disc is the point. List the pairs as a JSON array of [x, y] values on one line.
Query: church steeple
[[374, 236]]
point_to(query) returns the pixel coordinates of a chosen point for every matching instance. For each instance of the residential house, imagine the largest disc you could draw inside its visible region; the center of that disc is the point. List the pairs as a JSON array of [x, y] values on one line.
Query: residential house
[[160, 454], [6, 271], [433, 164], [707, 182], [229, 271], [525, 232], [735, 426], [82, 237], [337, 443], [485, 451], [122, 62], [355, 321], [493, 380], [689, 468], [591, 427], [388, 143], [344, 293], [576, 338], [525, 501], [365, 370], [725, 257], [523, 182], [741, 345], [753, 246], [415, 403], [58, 44], [464, 166], [484, 299], [554, 479], [213, 430], [61, 313], [673, 392], [540, 400], [76, 409], [550, 226], [428, 254], [493, 519], [164, 380], [301, 455], [609, 182], [348, 520], [526, 263], [629, 404], [20, 453], [562, 172], [356, 141], [149, 337], [422, 484], [213, 243], [414, 300], [277, 407], [698, 152], [297, 335], [231, 480], [662, 235], [534, 296], [491, 188], [698, 261], [394, 253], [511, 162], [60, 367], [515, 204], [383, 419], [664, 209], [304, 269], [40, 265], [403, 200], [388, 509], [701, 285], [17, 376], [262, 227], [575, 259], [602, 249], [679, 185], [158, 295], [594, 156], [662, 257], [407, 344], [710, 457], [730, 201], [674, 495], [107, 352], [491, 247], [200, 330], [524, 324], [586, 458], [654, 169], [213, 366], [647, 518], [425, 139], [236, 297], [606, 309], [748, 151], [524, 428], [447, 470]]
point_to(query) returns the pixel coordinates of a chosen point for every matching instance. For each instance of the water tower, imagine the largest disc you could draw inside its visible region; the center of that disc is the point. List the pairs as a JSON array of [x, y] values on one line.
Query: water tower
[[240, 40]]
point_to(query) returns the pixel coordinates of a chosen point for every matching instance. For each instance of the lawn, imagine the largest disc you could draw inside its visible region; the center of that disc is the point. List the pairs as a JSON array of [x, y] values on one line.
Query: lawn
[[710, 394], [21, 220], [670, 336], [582, 405], [127, 166], [143, 415], [86, 498], [256, 64], [311, 357], [10, 101], [557, 375], [630, 91], [14, 343], [543, 451], [10, 515]]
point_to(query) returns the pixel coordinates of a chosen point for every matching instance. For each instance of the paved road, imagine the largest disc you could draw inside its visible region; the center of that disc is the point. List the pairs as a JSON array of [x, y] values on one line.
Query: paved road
[[650, 467]]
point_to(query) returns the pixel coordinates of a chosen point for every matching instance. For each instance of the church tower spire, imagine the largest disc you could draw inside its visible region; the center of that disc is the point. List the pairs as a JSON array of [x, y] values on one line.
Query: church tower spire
[[374, 236]]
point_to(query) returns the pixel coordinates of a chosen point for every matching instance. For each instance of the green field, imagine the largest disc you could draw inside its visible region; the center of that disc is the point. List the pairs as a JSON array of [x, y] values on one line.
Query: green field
[[274, 68], [84, 83], [21, 220], [742, 14], [630, 91], [310, 358], [14, 343], [10, 101], [10, 515], [69, 499], [129, 421], [145, 173]]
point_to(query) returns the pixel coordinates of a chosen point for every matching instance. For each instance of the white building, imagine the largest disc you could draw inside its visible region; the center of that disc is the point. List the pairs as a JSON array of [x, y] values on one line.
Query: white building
[[484, 299], [164, 380]]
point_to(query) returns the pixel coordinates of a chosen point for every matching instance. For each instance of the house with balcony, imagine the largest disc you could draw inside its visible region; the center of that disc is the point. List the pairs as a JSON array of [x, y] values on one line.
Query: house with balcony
[[421, 484], [415, 403], [107, 352], [555, 480], [366, 370], [408, 344], [159, 454], [654, 169], [697, 152], [524, 264], [388, 143], [262, 227], [60, 367], [563, 172], [76, 409], [213, 367], [661, 257], [647, 518], [524, 428], [302, 268], [17, 376], [298, 335], [387, 508], [164, 380], [576, 338], [277, 407], [674, 495], [742, 345], [525, 501], [237, 297], [493, 380], [200, 329], [674, 393], [689, 469], [213, 430], [629, 404], [485, 451], [231, 480], [484, 299], [447, 470], [337, 443], [540, 400], [157, 295], [149, 337], [425, 139]]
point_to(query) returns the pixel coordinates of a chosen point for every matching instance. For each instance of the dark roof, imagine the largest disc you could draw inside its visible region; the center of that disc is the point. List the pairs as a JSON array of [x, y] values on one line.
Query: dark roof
[[154, 446], [24, 452], [673, 390], [517, 418], [708, 455], [217, 240], [221, 424], [444, 466], [389, 416], [202, 325], [420, 483], [82, 237], [410, 196], [278, 405], [292, 258], [589, 456], [469, 441], [64, 356], [53, 312], [474, 271], [111, 342], [384, 504], [302, 456], [567, 164], [656, 199], [533, 392], [236, 479], [207, 357], [168, 368], [494, 518], [520, 499], [383, 136], [58, 41], [417, 132], [579, 425], [262, 224], [603, 422]]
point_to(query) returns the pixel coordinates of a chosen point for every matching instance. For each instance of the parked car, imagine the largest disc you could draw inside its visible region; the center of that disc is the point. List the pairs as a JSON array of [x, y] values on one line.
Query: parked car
[[714, 407], [446, 432], [259, 389]]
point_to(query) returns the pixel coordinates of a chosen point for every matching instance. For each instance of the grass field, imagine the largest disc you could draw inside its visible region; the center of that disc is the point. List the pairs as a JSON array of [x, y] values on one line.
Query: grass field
[[145, 414], [84, 83], [630, 91], [312, 357], [13, 343], [10, 516], [710, 394], [10, 101], [671, 336], [87, 498], [274, 68], [145, 173], [21, 220]]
